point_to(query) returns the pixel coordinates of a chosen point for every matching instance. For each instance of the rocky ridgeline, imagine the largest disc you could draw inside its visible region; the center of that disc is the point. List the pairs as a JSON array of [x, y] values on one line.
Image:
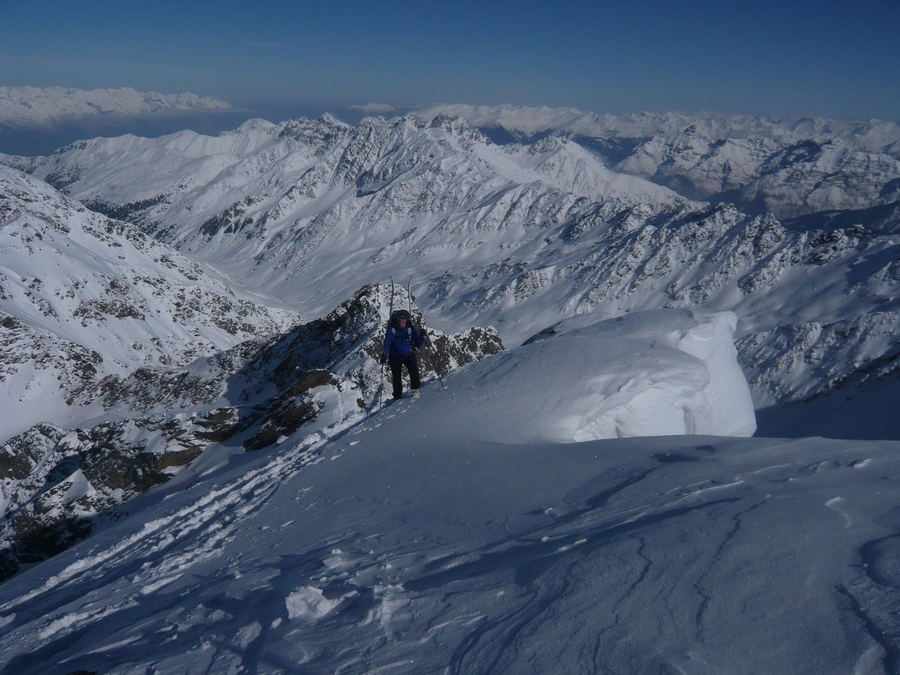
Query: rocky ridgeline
[[57, 484]]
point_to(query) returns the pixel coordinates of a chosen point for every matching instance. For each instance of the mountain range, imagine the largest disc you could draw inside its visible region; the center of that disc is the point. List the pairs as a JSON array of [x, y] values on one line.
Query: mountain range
[[29, 107], [787, 167], [517, 235]]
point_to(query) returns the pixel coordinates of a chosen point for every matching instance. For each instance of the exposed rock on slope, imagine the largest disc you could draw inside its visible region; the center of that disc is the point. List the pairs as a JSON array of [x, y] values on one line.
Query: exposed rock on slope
[[58, 484], [83, 297]]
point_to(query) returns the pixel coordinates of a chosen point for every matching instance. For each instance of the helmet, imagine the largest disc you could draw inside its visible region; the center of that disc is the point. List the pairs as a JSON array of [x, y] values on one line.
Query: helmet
[[401, 314]]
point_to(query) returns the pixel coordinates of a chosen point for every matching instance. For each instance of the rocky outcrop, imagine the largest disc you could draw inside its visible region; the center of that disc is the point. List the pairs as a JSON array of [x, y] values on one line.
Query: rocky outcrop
[[57, 485]]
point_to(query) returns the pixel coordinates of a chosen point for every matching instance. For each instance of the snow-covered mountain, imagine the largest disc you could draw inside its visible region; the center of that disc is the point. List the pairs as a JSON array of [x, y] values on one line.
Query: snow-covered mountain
[[39, 120], [515, 236], [526, 124], [787, 167], [84, 297], [450, 533]]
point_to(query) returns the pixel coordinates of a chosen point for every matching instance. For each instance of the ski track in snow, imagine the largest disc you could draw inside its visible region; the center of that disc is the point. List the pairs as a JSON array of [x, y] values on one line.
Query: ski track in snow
[[144, 562], [274, 571]]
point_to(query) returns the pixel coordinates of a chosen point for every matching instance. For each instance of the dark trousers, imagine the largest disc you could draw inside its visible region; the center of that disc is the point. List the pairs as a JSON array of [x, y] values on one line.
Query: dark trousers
[[396, 363]]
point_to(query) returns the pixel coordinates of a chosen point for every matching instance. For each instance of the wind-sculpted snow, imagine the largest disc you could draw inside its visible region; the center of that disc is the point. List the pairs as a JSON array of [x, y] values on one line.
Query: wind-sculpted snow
[[423, 540], [658, 373]]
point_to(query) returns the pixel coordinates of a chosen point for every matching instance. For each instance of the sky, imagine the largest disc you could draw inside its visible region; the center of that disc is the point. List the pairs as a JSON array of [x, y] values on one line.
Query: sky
[[288, 58]]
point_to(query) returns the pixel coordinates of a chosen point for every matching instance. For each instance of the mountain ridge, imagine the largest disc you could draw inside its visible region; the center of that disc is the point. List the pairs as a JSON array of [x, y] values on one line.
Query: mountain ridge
[[59, 482]]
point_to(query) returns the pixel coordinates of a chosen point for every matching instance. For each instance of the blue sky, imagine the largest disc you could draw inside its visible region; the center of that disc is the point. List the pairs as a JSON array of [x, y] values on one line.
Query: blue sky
[[789, 58]]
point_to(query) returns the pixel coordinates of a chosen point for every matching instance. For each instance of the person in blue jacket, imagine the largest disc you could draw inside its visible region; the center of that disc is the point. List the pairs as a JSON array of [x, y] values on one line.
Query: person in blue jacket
[[400, 344]]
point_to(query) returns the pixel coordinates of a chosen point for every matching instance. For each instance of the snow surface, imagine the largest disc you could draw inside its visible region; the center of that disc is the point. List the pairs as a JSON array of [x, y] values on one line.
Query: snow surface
[[450, 534], [646, 374]]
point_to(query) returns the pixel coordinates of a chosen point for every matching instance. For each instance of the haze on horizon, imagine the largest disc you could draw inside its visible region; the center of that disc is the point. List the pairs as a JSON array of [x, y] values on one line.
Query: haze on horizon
[[279, 59]]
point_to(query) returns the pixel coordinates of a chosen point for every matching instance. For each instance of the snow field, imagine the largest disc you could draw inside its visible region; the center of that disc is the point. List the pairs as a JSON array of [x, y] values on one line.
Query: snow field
[[456, 532]]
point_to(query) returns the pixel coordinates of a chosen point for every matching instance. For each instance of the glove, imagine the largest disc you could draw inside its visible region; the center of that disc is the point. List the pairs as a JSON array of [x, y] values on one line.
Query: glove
[[383, 359]]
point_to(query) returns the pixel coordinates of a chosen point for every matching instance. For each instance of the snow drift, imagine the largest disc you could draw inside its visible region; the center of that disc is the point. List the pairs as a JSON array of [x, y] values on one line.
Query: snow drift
[[665, 372]]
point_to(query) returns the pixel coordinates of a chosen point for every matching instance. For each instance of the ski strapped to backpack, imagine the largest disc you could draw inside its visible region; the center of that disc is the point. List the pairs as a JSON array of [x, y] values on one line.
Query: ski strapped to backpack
[[432, 349], [383, 364]]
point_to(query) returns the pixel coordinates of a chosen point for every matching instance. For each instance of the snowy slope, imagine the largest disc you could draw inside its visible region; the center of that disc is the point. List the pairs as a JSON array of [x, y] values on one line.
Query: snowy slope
[[124, 434], [448, 534], [83, 297]]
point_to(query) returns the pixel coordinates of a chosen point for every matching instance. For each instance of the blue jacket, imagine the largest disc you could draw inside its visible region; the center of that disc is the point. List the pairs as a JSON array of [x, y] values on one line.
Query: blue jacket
[[401, 341]]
